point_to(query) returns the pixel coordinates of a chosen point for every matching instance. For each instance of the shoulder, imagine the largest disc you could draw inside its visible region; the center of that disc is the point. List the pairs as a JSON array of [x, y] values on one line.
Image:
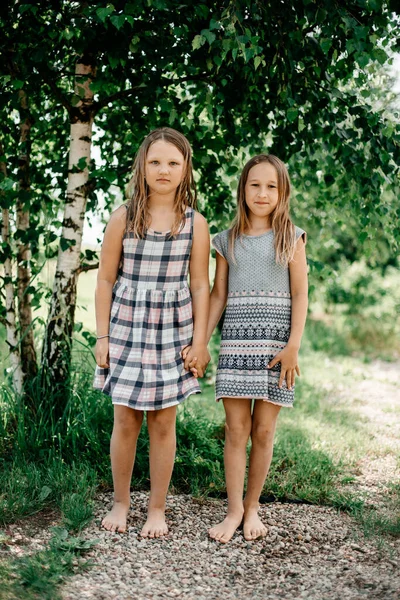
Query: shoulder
[[221, 241], [222, 235], [199, 221], [117, 223], [201, 235], [300, 233]]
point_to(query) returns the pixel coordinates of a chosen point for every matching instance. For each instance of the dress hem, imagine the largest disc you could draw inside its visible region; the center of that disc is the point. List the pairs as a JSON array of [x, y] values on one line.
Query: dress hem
[[154, 409], [218, 398]]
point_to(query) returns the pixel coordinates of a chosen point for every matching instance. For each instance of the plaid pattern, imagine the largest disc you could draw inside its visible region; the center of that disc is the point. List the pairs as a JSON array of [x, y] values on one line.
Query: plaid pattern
[[150, 322]]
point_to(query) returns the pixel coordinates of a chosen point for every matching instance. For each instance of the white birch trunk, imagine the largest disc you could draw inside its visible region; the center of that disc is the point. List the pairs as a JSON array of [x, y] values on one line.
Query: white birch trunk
[[11, 328], [60, 324]]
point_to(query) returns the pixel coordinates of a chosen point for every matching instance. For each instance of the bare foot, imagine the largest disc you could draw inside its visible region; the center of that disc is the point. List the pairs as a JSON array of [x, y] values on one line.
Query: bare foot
[[253, 527], [155, 525], [115, 520], [224, 531]]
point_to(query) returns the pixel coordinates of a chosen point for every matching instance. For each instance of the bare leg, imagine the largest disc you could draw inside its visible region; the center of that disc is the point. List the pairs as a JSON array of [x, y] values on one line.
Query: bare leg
[[127, 424], [237, 432], [161, 425], [265, 416]]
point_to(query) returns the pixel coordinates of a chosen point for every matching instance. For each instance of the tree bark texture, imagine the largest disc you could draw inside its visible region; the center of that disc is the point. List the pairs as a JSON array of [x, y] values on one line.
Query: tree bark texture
[[27, 345], [60, 324], [11, 326]]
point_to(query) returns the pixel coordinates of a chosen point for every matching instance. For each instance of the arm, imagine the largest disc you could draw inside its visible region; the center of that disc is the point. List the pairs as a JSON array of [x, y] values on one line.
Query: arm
[[219, 294], [200, 291], [110, 257], [217, 303], [299, 293], [288, 357]]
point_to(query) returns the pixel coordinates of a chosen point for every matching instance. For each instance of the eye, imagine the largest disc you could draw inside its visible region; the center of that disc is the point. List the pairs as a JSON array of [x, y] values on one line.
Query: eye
[[174, 163], [254, 185], [273, 186], [154, 162]]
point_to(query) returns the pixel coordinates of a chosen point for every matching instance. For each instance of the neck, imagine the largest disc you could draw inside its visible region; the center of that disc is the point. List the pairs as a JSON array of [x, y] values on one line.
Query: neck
[[260, 224], [161, 201]]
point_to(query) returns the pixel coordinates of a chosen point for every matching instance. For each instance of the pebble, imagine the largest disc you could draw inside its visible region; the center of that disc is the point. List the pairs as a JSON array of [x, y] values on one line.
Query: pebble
[[294, 560]]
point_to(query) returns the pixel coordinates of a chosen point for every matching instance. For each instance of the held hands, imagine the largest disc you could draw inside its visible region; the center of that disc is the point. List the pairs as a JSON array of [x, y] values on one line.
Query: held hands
[[101, 352], [288, 357], [196, 359]]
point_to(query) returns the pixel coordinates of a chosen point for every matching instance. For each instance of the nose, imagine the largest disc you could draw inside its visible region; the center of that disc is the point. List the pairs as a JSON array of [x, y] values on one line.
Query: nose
[[163, 169], [262, 192]]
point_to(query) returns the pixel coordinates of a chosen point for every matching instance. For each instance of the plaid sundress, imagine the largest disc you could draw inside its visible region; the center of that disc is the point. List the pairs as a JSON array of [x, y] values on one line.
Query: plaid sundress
[[150, 322]]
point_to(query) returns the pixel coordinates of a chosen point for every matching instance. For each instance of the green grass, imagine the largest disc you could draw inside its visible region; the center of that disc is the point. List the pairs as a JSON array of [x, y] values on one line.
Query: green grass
[[28, 488], [60, 463], [38, 576]]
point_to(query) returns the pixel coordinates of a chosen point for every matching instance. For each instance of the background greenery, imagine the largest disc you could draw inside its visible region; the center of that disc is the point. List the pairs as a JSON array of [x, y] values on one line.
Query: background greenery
[[309, 81]]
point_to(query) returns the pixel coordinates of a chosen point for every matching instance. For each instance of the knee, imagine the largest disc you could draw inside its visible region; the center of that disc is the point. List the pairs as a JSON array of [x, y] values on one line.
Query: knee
[[238, 433], [160, 428], [128, 422], [262, 434]]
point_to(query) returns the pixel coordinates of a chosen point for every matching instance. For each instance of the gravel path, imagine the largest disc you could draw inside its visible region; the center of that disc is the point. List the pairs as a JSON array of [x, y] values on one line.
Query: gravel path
[[310, 552]]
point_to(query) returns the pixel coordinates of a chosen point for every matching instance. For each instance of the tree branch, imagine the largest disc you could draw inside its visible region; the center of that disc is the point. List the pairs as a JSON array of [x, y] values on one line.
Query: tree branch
[[85, 267], [57, 93], [126, 93]]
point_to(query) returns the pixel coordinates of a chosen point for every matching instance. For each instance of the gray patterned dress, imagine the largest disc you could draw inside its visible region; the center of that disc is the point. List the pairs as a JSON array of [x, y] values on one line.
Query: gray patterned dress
[[257, 320]]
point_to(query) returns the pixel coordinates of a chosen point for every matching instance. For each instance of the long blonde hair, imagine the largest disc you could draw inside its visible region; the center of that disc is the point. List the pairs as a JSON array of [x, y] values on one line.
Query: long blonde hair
[[283, 228], [138, 218]]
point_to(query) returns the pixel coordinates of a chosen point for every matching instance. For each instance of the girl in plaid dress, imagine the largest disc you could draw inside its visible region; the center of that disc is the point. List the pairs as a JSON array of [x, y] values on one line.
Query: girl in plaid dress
[[146, 314]]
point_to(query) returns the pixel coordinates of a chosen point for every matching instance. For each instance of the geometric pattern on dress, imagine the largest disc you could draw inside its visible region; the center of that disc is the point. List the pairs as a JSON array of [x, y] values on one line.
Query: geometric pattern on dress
[[257, 320]]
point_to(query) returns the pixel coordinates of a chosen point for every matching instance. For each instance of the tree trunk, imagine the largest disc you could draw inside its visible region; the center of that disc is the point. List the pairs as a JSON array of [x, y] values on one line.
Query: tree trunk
[[60, 323], [27, 346], [11, 329]]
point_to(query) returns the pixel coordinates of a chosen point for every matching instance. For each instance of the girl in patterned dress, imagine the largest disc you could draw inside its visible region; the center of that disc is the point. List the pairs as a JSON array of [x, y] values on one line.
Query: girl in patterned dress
[[146, 314], [261, 278]]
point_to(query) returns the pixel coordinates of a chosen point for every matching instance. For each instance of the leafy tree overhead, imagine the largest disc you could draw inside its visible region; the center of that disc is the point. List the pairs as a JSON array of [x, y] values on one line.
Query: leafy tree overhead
[[235, 77]]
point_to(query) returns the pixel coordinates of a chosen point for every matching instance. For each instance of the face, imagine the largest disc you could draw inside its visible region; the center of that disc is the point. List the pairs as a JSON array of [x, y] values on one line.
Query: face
[[261, 189], [164, 167]]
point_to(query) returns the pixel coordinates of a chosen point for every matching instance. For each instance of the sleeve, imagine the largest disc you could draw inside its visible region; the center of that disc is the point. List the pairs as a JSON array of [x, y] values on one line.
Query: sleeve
[[220, 243], [300, 233]]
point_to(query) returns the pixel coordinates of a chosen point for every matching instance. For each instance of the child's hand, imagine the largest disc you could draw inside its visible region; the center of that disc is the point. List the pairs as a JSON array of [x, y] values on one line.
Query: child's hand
[[288, 357], [196, 357], [192, 367], [101, 352]]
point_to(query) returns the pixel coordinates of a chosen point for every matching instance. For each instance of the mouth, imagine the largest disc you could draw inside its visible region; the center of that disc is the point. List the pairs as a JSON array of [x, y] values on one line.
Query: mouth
[[163, 180]]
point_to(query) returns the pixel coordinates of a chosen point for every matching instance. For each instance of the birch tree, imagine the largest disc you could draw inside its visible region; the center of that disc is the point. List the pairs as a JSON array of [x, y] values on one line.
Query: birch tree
[[236, 78], [8, 279], [60, 323]]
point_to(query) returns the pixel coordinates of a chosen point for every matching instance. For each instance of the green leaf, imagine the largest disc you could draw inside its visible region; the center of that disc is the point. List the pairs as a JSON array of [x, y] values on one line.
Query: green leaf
[[362, 59], [75, 100], [380, 55], [44, 493], [82, 163], [292, 114], [113, 60], [198, 42], [326, 44], [104, 12], [65, 243], [209, 35], [118, 21], [7, 184], [257, 62]]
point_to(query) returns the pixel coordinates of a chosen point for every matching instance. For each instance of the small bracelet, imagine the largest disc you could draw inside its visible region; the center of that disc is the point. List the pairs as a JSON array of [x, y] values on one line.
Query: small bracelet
[[100, 337]]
